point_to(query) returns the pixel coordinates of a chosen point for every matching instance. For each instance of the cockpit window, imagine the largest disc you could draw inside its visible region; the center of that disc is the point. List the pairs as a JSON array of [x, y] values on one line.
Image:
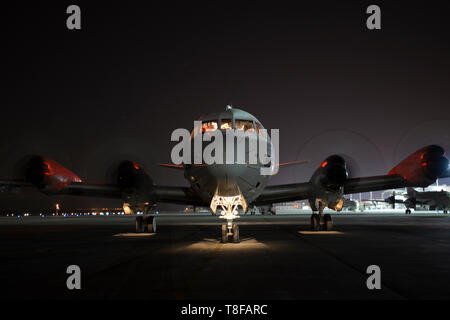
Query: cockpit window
[[260, 132], [226, 124], [244, 125], [209, 126]]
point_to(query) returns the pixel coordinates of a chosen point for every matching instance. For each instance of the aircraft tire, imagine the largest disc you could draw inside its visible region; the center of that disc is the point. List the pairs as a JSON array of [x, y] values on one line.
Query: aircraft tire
[[236, 233], [139, 224], [408, 211], [150, 225], [327, 222], [224, 237], [315, 222]]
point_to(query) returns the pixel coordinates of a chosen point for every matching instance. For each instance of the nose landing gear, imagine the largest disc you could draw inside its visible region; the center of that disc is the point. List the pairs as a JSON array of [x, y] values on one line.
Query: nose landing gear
[[229, 212], [228, 231]]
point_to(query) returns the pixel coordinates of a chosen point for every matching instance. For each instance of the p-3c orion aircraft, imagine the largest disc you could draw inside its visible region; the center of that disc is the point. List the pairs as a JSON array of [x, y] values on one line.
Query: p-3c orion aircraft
[[435, 200], [232, 185]]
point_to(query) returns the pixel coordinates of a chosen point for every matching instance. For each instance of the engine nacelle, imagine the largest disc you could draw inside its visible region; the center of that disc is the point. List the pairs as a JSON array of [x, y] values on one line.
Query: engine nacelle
[[337, 205], [137, 186], [423, 167], [47, 174], [131, 176], [328, 181], [331, 174]]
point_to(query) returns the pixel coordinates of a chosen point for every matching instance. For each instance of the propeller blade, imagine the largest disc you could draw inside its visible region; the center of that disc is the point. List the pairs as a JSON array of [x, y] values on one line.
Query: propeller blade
[[393, 199], [353, 167]]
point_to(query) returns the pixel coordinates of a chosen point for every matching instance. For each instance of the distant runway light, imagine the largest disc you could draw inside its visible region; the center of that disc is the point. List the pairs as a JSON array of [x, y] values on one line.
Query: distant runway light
[[319, 232], [134, 235]]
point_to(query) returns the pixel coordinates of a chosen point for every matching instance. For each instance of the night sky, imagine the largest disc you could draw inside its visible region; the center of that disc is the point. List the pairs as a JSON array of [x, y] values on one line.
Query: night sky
[[117, 88]]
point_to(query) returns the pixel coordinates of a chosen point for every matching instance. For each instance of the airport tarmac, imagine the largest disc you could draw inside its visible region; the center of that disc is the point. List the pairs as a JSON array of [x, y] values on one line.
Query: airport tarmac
[[278, 258]]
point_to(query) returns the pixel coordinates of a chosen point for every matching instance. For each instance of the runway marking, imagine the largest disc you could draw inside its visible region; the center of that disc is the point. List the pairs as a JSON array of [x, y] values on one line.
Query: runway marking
[[320, 232], [134, 235]]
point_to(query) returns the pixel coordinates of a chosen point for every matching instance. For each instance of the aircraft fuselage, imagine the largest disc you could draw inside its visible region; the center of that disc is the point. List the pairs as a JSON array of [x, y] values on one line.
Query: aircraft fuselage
[[232, 176]]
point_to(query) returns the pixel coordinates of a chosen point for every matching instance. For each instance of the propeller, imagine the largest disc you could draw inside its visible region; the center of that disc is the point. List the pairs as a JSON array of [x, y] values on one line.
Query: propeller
[[352, 165], [15, 157], [393, 199], [106, 159], [19, 170], [362, 156]]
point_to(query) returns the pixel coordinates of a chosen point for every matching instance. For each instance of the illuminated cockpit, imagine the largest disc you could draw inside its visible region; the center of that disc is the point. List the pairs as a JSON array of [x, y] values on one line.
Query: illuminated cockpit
[[231, 119], [209, 126], [226, 124], [244, 125]]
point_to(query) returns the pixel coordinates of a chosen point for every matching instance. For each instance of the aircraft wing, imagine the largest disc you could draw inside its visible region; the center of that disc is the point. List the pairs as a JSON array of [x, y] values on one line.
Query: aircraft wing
[[76, 189], [92, 190], [420, 169], [376, 183], [4, 184], [168, 194], [182, 167], [306, 190], [285, 193], [13, 186], [178, 195]]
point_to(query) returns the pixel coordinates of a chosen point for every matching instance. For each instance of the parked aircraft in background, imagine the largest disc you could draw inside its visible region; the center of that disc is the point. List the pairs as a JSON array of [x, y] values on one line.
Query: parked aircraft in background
[[435, 200]]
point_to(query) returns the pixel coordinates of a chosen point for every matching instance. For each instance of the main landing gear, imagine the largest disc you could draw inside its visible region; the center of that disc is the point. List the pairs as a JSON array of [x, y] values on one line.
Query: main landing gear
[[317, 219], [146, 223]]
